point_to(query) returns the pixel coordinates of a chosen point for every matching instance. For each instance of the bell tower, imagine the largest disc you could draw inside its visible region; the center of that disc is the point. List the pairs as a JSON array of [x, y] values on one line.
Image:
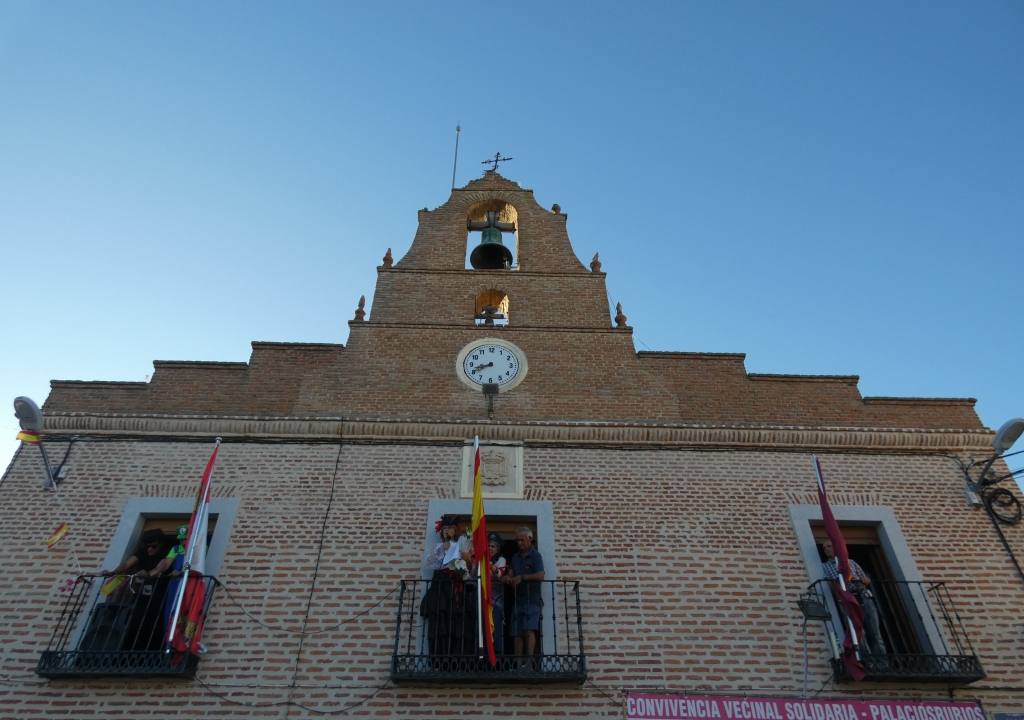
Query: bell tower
[[525, 298]]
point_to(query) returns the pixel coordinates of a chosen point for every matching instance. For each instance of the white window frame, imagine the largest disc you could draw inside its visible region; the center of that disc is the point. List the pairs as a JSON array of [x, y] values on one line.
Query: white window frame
[[894, 547], [541, 510]]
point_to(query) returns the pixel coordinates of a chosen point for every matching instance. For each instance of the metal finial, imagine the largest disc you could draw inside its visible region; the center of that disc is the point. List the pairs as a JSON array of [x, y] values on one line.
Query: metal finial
[[497, 159]]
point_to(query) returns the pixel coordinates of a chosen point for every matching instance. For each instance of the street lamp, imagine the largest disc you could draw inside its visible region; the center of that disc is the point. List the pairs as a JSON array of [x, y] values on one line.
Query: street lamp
[[30, 417], [1001, 505]]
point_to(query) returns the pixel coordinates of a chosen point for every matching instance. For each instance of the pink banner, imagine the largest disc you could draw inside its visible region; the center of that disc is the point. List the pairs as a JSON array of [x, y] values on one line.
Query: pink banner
[[722, 707]]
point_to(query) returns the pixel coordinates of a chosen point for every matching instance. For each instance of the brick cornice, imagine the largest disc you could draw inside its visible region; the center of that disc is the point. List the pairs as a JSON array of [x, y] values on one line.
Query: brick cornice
[[495, 328], [582, 434], [461, 272]]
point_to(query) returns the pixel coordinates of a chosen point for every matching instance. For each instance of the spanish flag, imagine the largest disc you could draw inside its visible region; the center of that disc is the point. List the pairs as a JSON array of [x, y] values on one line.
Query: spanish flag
[[27, 436], [57, 535], [483, 558]]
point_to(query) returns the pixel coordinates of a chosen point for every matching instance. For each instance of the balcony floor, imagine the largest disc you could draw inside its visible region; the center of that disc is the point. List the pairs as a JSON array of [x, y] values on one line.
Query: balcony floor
[[462, 668], [952, 669], [133, 663]]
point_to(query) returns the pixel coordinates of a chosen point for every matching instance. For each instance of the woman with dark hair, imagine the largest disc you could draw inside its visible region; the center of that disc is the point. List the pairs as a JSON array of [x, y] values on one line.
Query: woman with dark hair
[[442, 606], [148, 553]]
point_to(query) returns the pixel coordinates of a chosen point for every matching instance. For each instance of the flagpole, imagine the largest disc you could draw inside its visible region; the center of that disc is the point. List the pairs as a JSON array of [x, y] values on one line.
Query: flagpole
[[189, 554], [842, 580]]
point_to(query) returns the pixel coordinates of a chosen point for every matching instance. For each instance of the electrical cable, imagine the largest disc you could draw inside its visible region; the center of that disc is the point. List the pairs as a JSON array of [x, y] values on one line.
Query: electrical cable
[[279, 628], [291, 703], [316, 566], [617, 702]]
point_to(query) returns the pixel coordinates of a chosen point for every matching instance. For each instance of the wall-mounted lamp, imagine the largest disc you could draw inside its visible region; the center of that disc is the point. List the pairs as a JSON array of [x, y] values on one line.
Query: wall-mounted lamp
[[1001, 504]]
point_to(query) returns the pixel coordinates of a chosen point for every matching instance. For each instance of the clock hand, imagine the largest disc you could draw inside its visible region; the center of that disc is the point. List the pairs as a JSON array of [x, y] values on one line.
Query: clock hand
[[478, 368]]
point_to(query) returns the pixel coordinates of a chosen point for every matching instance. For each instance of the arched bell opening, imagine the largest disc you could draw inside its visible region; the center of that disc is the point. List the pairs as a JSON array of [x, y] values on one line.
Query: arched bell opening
[[492, 229], [491, 308]]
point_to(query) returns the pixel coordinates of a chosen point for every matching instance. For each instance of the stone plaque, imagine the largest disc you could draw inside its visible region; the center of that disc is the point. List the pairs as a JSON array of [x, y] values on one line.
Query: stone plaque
[[501, 471]]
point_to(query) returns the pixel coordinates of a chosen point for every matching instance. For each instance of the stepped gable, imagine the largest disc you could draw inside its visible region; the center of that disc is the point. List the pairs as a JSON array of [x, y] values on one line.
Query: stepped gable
[[707, 387], [267, 385], [715, 387], [399, 358]]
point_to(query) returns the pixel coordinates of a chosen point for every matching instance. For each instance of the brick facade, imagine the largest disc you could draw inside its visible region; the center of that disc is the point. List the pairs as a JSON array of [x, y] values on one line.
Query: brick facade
[[670, 476]]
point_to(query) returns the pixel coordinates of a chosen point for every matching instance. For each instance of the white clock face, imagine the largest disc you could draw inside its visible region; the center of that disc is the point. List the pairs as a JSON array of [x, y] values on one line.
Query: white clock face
[[491, 361]]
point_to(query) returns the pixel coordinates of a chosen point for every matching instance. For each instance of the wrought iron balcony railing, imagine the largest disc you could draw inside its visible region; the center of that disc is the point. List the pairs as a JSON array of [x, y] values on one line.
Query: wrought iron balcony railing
[[922, 638], [116, 625], [436, 635]]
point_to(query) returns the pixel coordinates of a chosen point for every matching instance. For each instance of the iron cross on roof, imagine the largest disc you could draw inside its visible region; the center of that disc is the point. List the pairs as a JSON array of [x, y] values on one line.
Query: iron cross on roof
[[497, 159]]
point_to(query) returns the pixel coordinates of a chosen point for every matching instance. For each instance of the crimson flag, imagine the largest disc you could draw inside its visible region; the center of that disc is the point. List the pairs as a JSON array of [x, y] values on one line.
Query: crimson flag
[[854, 666]]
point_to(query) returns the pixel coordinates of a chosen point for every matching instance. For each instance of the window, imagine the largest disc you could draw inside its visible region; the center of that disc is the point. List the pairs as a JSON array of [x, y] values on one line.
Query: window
[[117, 624], [437, 631], [491, 308], [921, 633]]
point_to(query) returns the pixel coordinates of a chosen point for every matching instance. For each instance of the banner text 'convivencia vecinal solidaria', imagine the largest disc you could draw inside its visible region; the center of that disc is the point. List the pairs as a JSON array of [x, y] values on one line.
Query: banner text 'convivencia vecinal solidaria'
[[720, 707]]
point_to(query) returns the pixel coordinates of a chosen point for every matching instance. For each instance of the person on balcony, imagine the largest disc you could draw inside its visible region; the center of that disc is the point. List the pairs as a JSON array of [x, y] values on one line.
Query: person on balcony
[[499, 568], [150, 551], [137, 599], [860, 585], [525, 578], [434, 559], [446, 604]]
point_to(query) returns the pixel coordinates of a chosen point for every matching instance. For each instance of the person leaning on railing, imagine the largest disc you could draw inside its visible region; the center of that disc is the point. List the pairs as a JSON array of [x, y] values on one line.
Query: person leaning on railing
[[527, 567], [147, 556], [859, 585], [132, 593], [499, 568]]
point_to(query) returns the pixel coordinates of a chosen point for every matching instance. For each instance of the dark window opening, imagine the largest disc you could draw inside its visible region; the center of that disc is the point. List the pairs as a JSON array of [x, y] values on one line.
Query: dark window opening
[[117, 622], [919, 637], [893, 604]]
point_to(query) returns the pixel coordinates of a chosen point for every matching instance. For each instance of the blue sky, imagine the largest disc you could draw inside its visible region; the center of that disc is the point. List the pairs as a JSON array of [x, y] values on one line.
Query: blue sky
[[831, 188]]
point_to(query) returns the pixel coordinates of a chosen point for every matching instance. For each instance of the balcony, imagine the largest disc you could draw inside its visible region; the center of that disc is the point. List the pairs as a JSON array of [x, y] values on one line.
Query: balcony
[[436, 637], [925, 640], [108, 631]]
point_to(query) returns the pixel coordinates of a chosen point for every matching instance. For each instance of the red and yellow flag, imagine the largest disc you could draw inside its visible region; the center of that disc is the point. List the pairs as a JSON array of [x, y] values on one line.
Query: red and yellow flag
[[186, 628], [57, 535], [483, 558], [27, 436]]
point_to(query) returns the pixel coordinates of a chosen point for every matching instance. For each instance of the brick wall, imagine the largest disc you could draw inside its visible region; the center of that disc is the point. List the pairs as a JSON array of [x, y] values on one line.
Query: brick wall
[[683, 543], [688, 561]]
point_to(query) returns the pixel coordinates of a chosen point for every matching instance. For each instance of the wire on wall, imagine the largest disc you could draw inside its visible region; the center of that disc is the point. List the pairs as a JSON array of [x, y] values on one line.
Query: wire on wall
[[316, 569]]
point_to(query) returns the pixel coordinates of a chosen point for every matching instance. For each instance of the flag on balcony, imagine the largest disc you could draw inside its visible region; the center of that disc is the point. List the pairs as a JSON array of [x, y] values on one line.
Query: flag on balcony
[[481, 550], [186, 626], [851, 607]]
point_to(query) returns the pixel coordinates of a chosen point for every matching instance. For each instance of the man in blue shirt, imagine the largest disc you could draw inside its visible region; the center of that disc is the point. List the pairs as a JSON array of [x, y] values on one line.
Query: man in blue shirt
[[525, 578]]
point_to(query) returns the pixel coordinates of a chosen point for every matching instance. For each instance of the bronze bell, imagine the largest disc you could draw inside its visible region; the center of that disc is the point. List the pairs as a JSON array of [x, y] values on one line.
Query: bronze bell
[[491, 253]]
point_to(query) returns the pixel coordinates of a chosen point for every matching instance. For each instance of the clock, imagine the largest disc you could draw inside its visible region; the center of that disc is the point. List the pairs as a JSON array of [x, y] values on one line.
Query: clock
[[491, 361]]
